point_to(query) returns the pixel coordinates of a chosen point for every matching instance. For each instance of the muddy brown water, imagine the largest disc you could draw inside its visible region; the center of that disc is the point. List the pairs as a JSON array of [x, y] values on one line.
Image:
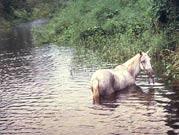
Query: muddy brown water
[[45, 91]]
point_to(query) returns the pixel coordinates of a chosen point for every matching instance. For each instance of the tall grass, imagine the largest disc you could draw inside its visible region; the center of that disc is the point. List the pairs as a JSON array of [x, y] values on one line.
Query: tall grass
[[119, 26], [116, 28]]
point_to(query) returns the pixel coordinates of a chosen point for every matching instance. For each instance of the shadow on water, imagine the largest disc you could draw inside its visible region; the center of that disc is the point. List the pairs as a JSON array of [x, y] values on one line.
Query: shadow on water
[[20, 36], [46, 90], [172, 108]]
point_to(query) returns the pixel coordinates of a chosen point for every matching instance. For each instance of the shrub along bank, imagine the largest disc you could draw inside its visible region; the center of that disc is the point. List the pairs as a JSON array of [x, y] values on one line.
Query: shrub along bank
[[118, 29]]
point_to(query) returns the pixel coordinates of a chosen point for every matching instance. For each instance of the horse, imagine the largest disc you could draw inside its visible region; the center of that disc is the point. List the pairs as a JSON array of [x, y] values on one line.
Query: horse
[[105, 82]]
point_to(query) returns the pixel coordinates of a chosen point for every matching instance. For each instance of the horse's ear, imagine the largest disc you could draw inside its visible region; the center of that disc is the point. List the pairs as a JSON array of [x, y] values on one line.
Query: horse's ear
[[148, 51], [140, 53]]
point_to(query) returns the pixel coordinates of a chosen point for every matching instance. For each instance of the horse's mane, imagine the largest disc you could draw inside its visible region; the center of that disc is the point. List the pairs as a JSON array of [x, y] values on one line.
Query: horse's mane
[[132, 60], [133, 64]]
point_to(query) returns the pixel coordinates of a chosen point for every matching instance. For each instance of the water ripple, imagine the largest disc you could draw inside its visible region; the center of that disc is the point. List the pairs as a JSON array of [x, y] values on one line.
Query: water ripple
[[46, 91]]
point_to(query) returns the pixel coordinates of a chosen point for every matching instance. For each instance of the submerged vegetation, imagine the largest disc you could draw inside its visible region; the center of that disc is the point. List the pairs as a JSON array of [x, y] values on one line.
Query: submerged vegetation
[[118, 29]]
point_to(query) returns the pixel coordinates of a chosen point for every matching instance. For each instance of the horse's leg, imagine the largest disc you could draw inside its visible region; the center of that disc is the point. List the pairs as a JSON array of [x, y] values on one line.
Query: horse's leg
[[96, 96], [95, 91], [96, 100]]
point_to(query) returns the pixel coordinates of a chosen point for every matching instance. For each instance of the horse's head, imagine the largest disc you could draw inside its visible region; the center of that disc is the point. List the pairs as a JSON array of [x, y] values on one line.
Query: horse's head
[[146, 65]]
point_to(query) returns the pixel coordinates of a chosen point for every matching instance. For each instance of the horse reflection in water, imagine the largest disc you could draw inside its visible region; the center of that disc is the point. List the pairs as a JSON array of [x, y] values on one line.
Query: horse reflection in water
[[134, 91], [106, 82]]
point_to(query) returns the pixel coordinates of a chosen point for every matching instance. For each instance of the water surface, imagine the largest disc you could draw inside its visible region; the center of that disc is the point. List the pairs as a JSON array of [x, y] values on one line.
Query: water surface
[[45, 91]]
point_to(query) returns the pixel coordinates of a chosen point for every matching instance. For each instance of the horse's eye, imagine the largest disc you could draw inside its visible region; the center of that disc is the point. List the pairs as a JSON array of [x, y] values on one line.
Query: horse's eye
[[143, 61]]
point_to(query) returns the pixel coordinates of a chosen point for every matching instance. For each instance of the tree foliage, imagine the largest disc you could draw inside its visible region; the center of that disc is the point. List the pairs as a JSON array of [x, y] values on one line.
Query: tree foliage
[[24, 10]]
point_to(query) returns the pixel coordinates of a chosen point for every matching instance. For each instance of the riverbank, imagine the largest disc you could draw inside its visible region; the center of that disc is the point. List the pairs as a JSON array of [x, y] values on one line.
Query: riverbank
[[117, 31], [15, 12]]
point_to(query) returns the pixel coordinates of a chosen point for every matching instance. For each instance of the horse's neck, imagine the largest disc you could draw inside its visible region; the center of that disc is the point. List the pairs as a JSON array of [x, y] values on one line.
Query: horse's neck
[[133, 65]]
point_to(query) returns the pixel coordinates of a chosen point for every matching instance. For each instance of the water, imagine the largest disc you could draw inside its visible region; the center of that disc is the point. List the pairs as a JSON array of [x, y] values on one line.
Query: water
[[45, 91]]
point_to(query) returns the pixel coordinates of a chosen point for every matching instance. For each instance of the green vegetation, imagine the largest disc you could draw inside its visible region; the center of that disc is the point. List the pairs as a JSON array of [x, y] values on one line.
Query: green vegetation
[[117, 29], [13, 12]]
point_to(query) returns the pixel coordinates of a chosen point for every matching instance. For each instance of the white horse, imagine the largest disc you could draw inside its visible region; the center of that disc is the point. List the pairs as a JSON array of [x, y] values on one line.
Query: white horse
[[105, 82]]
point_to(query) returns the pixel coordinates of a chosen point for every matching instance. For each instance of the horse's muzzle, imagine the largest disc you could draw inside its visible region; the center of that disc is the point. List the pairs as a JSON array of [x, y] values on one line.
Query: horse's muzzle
[[151, 75]]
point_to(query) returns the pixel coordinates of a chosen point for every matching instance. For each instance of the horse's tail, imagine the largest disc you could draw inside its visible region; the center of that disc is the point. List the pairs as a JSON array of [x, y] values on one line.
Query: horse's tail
[[95, 91]]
